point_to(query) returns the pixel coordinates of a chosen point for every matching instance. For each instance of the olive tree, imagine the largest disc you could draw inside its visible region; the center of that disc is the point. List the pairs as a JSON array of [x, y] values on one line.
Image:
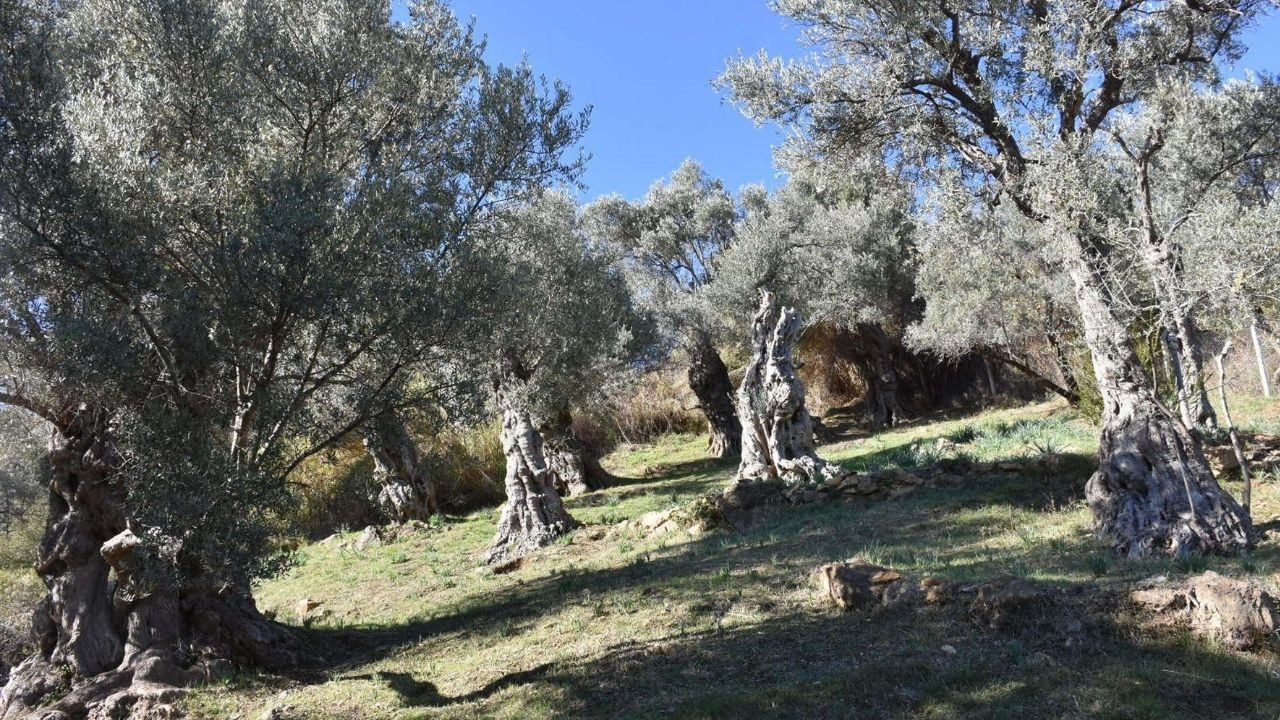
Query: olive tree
[[1175, 170], [1018, 97], [839, 251], [990, 285], [564, 323], [234, 234], [672, 239]]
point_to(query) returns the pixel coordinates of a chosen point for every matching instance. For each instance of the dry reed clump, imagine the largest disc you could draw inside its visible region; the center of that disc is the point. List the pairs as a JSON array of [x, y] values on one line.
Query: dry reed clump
[[658, 403]]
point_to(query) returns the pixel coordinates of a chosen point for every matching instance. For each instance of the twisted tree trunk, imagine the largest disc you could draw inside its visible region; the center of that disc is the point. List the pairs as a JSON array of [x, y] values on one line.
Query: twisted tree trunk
[[777, 441], [405, 490], [104, 643], [1153, 492], [534, 515], [575, 469], [709, 381]]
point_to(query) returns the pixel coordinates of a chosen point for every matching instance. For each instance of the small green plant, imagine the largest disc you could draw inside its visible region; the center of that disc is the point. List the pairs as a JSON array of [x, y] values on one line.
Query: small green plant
[[964, 435], [1099, 563]]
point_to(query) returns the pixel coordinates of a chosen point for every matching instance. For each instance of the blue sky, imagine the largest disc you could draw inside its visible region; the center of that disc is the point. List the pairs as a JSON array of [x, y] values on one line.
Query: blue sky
[[646, 68]]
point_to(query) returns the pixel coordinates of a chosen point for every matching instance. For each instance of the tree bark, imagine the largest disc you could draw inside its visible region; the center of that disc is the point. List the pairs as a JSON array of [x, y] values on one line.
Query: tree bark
[[534, 515], [882, 386], [1153, 492], [405, 489], [1259, 356], [1161, 262], [100, 636], [575, 469], [1236, 446], [778, 438], [1071, 396], [709, 381]]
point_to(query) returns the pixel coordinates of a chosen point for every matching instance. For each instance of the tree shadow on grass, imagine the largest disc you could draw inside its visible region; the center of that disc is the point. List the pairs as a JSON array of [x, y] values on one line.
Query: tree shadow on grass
[[893, 664], [674, 471], [795, 663], [788, 542]]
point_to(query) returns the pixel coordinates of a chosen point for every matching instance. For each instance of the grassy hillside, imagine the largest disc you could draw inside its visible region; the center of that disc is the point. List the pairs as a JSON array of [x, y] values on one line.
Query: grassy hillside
[[614, 624]]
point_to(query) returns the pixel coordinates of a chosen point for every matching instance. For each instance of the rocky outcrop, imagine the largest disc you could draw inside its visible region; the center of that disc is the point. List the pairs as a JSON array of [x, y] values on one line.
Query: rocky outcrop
[[1262, 452], [1240, 614], [998, 604]]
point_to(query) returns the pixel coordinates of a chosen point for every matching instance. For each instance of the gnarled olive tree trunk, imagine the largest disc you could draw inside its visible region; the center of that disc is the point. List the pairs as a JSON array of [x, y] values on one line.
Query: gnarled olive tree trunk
[[777, 439], [100, 638], [534, 515], [1153, 492], [74, 628], [882, 377], [709, 381], [405, 490], [574, 468]]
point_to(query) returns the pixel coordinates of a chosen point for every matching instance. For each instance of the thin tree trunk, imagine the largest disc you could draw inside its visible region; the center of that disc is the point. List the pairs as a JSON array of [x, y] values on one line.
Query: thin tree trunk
[[778, 440], [1153, 492], [1260, 357], [576, 470], [709, 381], [991, 377], [1246, 497], [1173, 355], [1191, 363], [1061, 357], [534, 515], [1069, 395], [1166, 278], [405, 489]]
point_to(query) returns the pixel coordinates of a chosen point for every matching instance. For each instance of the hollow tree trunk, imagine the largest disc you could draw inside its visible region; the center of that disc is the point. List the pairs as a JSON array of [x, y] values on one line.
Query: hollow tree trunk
[[709, 381], [777, 440], [1153, 492], [405, 489], [534, 516], [575, 469], [100, 639]]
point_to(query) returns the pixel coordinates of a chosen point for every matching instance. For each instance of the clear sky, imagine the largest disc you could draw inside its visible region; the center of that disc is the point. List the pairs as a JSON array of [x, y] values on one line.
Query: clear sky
[[646, 69]]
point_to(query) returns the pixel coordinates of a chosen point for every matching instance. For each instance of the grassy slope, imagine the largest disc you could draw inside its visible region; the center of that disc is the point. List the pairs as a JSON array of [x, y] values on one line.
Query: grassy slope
[[726, 625]]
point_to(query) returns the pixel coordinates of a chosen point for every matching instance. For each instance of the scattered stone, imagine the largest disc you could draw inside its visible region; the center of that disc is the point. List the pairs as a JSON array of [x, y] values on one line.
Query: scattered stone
[[949, 649], [857, 585], [1160, 599], [1261, 450], [848, 585], [937, 591], [1241, 614], [651, 521], [306, 605], [1000, 602]]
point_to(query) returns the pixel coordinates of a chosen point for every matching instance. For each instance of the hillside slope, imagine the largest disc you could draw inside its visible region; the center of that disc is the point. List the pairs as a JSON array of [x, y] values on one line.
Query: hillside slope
[[614, 623]]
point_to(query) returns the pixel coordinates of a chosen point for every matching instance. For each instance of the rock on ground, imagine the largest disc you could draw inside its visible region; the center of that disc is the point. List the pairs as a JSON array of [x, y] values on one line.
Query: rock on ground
[[1240, 614]]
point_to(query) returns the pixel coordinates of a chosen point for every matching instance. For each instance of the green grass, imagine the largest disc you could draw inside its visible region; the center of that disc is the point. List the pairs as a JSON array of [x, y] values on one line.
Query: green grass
[[726, 625]]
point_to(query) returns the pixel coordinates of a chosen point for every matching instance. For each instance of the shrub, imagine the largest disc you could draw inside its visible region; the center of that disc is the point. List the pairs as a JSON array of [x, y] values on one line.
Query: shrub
[[656, 404]]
